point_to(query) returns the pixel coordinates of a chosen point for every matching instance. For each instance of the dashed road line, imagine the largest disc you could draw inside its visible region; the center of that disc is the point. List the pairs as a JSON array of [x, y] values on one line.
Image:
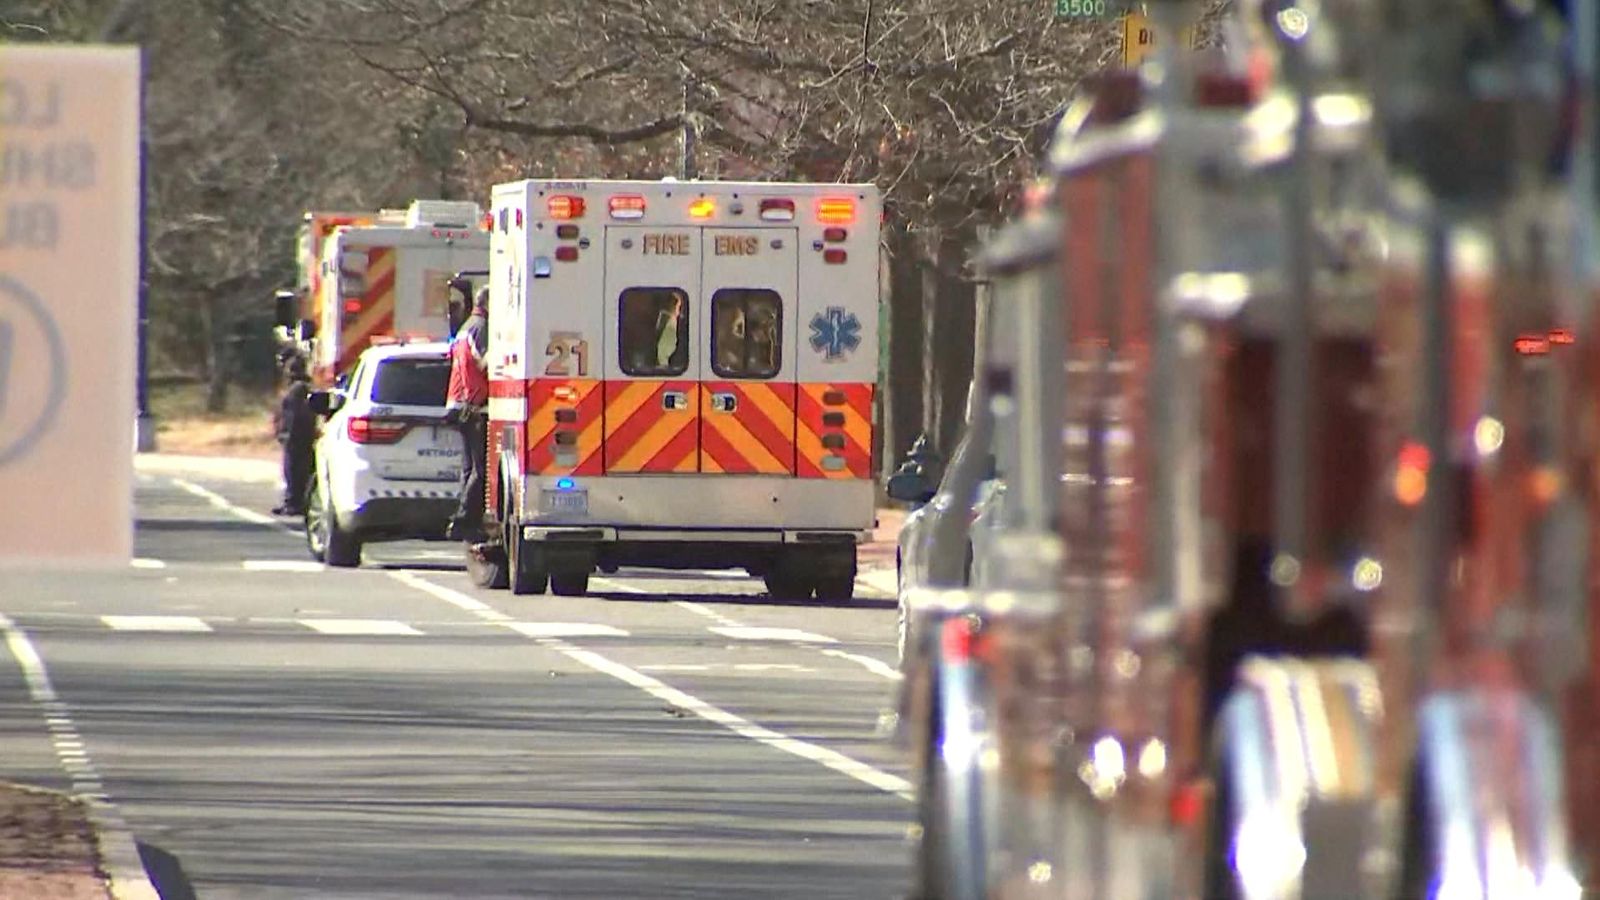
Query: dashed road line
[[875, 666], [282, 565], [118, 851], [757, 633], [360, 627], [699, 609], [139, 562], [222, 503], [155, 623], [564, 629], [739, 725]]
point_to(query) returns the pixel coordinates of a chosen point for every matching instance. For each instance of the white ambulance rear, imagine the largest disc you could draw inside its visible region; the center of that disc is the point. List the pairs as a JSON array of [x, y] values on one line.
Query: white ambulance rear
[[683, 376]]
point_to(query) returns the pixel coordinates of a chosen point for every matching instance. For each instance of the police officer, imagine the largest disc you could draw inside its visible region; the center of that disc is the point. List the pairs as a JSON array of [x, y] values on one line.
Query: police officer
[[296, 434], [468, 396]]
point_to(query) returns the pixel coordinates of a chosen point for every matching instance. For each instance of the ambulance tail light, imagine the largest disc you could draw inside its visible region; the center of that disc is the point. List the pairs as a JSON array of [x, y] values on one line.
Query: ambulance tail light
[[1562, 337], [567, 253], [626, 206], [351, 307], [834, 256], [834, 235], [775, 209], [836, 210], [564, 206], [366, 430]]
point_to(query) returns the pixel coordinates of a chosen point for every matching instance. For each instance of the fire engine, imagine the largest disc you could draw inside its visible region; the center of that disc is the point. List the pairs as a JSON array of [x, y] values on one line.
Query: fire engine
[[682, 375], [391, 275]]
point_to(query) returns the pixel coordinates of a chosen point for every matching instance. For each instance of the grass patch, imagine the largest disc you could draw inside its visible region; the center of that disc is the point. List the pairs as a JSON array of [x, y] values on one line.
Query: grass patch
[[243, 428]]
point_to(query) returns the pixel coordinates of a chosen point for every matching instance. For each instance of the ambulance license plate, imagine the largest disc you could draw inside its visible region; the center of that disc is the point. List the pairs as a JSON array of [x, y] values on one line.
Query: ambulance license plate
[[564, 501]]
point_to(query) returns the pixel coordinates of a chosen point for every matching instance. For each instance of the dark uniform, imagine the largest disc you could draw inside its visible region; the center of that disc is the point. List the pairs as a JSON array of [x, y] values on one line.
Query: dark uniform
[[468, 398], [296, 433]]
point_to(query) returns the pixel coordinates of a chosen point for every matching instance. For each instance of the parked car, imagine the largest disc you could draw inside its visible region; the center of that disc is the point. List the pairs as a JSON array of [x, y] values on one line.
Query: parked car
[[388, 462]]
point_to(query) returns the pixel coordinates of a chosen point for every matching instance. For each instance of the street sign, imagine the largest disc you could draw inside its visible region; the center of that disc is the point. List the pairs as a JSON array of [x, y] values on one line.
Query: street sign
[[1139, 39], [69, 226]]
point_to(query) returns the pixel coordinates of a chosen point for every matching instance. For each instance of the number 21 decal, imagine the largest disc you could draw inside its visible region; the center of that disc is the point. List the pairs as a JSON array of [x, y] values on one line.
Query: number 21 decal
[[565, 346]]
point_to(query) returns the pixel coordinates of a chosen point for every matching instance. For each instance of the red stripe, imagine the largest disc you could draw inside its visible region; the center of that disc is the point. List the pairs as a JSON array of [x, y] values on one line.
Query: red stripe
[[508, 388], [714, 445], [592, 465], [763, 429], [541, 427], [805, 468], [809, 410], [681, 446], [628, 433]]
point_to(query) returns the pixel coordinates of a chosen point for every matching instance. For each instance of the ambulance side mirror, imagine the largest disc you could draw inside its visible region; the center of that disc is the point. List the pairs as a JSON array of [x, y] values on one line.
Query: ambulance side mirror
[[325, 403], [911, 486], [283, 308]]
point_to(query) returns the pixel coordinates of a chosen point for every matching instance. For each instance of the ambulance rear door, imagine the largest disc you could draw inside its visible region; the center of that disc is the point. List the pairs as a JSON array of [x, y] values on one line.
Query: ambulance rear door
[[747, 307], [653, 362]]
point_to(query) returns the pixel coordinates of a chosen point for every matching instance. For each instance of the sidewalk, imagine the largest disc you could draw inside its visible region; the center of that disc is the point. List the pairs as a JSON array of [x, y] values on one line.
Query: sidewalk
[[49, 849]]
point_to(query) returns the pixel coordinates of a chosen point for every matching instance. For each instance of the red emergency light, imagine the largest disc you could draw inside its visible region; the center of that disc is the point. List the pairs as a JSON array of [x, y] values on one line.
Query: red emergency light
[[1562, 336], [564, 206], [626, 206], [836, 210], [777, 209], [1532, 345], [702, 208]]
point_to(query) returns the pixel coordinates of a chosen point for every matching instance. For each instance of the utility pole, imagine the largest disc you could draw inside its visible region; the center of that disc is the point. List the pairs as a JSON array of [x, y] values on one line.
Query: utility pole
[[687, 169]]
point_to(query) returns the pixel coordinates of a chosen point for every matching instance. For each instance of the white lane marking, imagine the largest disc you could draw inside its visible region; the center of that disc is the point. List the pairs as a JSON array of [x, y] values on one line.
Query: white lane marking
[[699, 609], [875, 666], [155, 623], [454, 598], [564, 629], [143, 563], [755, 633], [739, 725], [120, 855], [770, 667], [743, 727], [218, 501], [282, 565], [674, 667], [359, 627]]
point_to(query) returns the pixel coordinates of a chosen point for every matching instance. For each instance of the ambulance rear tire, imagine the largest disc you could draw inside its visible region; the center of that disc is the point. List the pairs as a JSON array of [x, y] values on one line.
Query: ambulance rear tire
[[570, 583], [785, 585], [836, 588], [526, 573]]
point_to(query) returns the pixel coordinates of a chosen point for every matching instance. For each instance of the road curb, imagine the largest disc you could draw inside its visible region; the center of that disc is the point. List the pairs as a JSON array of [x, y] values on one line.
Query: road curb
[[115, 867]]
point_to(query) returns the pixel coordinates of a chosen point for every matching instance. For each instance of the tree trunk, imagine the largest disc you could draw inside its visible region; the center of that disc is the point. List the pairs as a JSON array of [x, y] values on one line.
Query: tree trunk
[[902, 407], [217, 355]]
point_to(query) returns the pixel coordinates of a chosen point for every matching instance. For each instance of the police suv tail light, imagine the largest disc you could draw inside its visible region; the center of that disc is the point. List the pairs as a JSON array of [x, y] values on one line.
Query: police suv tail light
[[774, 209], [836, 210], [626, 206], [563, 206], [366, 430]]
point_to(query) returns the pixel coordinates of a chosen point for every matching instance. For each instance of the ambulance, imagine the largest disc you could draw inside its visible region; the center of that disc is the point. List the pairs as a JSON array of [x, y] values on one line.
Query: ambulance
[[391, 277], [296, 310], [682, 375]]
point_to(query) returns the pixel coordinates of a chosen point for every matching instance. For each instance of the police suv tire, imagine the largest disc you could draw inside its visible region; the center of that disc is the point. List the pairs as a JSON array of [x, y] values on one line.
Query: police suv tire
[[525, 571], [343, 548], [569, 584]]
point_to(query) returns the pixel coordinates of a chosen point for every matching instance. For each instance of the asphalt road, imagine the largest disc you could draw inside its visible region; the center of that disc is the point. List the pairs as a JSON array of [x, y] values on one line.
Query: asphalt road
[[269, 728]]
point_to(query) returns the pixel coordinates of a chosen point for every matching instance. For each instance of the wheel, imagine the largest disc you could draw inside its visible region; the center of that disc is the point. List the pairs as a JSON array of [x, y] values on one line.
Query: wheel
[[785, 585], [328, 542], [836, 578], [526, 573], [486, 565], [569, 584], [836, 588]]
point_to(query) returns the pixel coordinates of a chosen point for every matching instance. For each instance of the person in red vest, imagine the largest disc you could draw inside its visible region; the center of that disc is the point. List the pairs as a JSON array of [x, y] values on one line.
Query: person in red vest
[[467, 399]]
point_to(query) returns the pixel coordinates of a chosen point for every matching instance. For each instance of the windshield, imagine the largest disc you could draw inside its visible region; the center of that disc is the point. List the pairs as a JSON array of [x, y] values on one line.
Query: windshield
[[412, 382]]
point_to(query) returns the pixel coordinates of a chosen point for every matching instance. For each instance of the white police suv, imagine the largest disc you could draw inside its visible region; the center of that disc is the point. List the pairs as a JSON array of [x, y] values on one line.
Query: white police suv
[[388, 463]]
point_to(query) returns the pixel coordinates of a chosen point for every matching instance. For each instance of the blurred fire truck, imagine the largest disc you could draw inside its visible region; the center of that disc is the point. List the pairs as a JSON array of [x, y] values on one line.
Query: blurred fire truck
[[1297, 570], [682, 376], [372, 276]]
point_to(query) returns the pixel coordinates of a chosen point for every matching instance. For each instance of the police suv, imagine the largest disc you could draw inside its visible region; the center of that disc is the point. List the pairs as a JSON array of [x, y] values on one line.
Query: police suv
[[388, 463]]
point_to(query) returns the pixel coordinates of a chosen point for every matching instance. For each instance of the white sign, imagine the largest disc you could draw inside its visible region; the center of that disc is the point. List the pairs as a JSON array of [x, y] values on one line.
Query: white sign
[[69, 232]]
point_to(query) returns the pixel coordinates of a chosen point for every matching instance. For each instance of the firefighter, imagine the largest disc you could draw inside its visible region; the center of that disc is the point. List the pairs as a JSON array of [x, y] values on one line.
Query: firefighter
[[296, 433], [468, 396]]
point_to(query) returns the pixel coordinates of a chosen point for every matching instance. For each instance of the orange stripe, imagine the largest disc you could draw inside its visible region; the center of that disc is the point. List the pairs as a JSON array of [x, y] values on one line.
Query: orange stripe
[[768, 415], [639, 455], [750, 455], [377, 307]]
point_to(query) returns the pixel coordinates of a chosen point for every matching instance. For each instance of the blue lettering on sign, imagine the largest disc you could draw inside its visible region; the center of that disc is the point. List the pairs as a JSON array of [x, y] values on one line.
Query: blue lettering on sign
[[835, 333]]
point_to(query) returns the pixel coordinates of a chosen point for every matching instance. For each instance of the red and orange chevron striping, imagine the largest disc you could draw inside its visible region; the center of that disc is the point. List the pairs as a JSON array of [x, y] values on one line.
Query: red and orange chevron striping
[[756, 437], [642, 435], [567, 407], [376, 316], [834, 434]]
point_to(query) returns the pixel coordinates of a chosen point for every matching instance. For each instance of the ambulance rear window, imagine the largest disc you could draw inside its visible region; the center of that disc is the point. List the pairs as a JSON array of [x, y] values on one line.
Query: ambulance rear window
[[745, 327], [412, 382], [653, 339]]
